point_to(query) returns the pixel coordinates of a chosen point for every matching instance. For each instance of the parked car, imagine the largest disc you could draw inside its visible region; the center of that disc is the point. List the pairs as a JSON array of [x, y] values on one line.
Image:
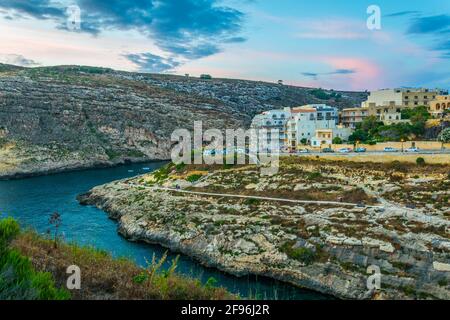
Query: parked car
[[412, 149], [390, 149], [345, 150], [303, 151], [360, 149], [327, 150]]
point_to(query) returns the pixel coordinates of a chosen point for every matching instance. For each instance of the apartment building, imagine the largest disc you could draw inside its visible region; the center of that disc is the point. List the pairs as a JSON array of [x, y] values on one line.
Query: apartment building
[[388, 114], [306, 120], [405, 97], [350, 117], [274, 124], [438, 106]]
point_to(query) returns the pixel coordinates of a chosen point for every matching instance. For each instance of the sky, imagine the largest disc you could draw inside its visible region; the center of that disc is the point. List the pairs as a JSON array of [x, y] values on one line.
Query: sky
[[320, 43]]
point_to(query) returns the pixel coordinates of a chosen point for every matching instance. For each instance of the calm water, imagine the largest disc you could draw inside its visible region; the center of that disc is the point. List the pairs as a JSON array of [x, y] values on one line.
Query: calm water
[[32, 200]]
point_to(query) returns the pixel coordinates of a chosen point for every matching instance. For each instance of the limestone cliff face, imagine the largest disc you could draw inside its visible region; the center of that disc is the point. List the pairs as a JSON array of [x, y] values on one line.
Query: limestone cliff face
[[60, 118], [54, 119]]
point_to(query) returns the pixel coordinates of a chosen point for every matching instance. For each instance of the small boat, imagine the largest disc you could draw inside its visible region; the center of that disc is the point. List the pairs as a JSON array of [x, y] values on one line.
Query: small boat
[[146, 168], [130, 171]]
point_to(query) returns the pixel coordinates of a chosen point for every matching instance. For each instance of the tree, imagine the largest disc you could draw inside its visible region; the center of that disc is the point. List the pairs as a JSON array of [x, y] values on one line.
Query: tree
[[337, 140], [444, 136], [303, 141], [370, 124], [359, 135]]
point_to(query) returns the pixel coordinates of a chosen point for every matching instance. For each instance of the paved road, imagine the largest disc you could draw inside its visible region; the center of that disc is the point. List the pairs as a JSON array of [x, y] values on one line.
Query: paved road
[[247, 197], [370, 153]]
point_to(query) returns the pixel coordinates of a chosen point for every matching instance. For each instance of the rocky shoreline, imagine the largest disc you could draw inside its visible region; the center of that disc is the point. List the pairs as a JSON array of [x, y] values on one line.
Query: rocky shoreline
[[323, 248], [21, 173]]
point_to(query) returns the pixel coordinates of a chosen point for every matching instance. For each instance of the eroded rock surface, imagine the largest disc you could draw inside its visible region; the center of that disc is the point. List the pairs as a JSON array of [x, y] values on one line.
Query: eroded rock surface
[[327, 248]]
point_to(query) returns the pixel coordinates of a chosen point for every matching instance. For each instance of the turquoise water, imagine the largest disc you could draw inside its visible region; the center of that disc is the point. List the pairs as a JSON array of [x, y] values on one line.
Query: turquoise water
[[33, 200]]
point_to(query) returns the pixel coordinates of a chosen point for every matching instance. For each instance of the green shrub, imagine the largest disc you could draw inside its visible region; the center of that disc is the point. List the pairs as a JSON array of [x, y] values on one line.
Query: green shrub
[[251, 201], [193, 177], [180, 167], [18, 279], [337, 140], [314, 175], [9, 228], [302, 254], [443, 282], [420, 161]]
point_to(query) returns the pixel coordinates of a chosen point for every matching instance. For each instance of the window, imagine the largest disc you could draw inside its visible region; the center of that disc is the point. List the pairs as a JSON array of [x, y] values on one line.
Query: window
[[416, 97], [398, 110], [415, 103], [406, 97]]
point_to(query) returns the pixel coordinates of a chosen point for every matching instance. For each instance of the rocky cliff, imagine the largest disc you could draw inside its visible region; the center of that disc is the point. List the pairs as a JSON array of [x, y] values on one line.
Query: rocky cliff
[[400, 224], [69, 117]]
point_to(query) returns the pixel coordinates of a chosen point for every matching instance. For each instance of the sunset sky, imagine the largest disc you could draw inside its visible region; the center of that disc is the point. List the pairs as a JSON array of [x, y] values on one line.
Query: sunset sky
[[321, 43]]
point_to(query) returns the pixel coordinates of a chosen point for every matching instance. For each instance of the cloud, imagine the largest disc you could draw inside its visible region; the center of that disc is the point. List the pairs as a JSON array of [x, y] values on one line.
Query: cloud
[[315, 75], [438, 27], [148, 62], [189, 29], [402, 13], [332, 29], [18, 60], [39, 9], [430, 24]]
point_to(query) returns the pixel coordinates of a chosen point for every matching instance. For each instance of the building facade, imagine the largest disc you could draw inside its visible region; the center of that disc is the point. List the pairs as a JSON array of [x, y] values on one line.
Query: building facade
[[271, 128], [324, 137], [405, 97], [305, 120], [350, 117], [438, 107]]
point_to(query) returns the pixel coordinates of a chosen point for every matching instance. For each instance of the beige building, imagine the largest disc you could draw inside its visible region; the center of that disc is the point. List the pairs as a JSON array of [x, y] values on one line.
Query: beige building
[[326, 136], [388, 114], [407, 97], [439, 105], [349, 117]]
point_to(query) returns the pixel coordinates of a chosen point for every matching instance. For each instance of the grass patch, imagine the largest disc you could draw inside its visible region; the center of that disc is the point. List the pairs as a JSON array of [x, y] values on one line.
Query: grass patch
[[40, 269], [302, 254]]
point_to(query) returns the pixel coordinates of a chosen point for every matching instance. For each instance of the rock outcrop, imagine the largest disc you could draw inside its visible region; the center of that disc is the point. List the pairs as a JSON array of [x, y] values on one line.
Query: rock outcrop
[[327, 248]]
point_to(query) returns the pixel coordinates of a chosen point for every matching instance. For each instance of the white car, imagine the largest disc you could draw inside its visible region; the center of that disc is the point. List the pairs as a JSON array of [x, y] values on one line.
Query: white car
[[303, 151], [412, 149], [345, 150], [390, 149]]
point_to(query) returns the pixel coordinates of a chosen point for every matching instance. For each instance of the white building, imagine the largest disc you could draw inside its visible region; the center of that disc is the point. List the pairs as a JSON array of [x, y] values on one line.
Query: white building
[[273, 123], [306, 120]]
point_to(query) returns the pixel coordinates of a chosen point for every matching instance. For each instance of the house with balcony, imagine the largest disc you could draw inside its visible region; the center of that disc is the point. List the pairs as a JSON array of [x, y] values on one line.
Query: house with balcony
[[306, 120], [271, 129]]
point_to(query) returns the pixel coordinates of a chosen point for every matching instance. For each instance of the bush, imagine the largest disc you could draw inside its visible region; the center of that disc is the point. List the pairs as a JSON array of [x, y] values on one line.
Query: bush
[[193, 177], [9, 228], [420, 161], [302, 254], [18, 279], [337, 140]]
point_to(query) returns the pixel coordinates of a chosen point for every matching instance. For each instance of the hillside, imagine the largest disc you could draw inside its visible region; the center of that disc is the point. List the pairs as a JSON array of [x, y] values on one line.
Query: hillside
[[69, 117]]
